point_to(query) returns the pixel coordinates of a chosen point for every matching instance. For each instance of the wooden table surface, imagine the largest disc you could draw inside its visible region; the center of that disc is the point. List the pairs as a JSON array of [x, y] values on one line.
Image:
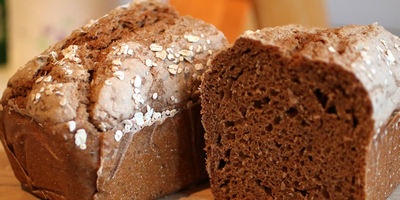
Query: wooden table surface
[[10, 188]]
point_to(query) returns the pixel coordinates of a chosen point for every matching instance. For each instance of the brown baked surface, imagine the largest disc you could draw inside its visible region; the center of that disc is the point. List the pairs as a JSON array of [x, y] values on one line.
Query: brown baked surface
[[112, 111], [298, 113]]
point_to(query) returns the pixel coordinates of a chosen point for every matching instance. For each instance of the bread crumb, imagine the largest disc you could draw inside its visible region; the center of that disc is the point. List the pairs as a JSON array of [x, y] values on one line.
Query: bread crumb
[[63, 102], [205, 47], [53, 55], [108, 82], [136, 90], [156, 47], [68, 72], [155, 95], [114, 68], [127, 125], [209, 62], [149, 63], [148, 115], [192, 38], [39, 79], [70, 53], [137, 82], [170, 57], [117, 62], [180, 69], [102, 126], [80, 138], [124, 49], [118, 135], [71, 126], [156, 116], [139, 118], [186, 53], [130, 52], [59, 93], [137, 98], [48, 79], [199, 49], [174, 99], [119, 74], [198, 66], [173, 69], [169, 113], [36, 98], [161, 55]]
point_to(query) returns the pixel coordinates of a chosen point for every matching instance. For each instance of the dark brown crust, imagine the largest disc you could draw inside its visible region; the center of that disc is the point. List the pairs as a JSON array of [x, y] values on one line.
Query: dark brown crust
[[285, 118], [73, 86], [45, 168], [383, 175], [158, 160]]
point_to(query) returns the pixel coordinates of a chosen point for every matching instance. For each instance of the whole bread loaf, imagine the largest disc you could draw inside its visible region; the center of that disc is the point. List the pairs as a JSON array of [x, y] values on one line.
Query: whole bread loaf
[[304, 113], [112, 111]]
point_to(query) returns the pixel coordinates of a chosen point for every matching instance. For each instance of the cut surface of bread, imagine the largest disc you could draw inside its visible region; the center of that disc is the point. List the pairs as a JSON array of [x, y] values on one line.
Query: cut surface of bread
[[304, 113]]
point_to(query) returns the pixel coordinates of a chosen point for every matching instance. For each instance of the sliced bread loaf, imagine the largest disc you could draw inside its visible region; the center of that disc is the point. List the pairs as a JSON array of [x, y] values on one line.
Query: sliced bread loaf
[[304, 113]]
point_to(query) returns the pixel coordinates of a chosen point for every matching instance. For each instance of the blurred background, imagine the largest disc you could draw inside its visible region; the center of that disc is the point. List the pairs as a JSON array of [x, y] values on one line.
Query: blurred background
[[29, 27]]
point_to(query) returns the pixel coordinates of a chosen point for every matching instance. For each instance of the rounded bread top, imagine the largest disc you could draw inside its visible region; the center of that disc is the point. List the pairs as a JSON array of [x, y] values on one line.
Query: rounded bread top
[[138, 64]]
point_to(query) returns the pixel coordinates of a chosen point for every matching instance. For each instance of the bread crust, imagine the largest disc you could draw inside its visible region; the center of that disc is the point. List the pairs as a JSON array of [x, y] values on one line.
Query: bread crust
[[112, 111]]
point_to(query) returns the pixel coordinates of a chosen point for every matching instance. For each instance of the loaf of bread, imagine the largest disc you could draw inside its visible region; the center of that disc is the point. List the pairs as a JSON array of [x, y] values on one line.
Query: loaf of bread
[[112, 111], [304, 113]]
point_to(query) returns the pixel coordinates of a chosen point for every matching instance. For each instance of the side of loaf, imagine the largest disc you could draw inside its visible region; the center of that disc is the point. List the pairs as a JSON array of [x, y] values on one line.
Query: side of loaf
[[112, 111], [304, 113]]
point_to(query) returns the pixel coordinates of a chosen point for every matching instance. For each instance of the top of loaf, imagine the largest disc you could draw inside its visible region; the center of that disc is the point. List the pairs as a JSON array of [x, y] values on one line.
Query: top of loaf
[[136, 65], [377, 68]]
